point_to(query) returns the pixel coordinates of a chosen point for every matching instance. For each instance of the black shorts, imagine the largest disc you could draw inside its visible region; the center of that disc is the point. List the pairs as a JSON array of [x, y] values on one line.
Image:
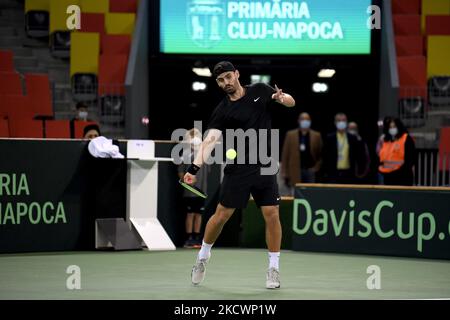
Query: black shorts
[[236, 189], [194, 204]]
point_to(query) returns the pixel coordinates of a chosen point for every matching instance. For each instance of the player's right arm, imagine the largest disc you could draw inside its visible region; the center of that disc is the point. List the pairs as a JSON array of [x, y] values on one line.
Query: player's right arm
[[203, 154]]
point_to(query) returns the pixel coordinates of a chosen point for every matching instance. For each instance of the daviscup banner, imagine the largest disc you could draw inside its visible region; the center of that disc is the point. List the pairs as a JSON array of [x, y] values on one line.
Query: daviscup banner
[[411, 223], [51, 192], [265, 26]]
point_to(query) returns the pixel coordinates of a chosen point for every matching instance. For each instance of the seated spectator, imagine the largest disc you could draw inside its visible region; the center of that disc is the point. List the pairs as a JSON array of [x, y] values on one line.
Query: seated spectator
[[81, 114], [91, 131]]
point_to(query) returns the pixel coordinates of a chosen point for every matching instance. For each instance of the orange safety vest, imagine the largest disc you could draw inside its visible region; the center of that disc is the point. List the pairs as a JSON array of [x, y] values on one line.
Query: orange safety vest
[[392, 155]]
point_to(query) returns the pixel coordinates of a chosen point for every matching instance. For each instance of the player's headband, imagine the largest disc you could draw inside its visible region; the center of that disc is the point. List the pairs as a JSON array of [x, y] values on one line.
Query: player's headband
[[221, 67]]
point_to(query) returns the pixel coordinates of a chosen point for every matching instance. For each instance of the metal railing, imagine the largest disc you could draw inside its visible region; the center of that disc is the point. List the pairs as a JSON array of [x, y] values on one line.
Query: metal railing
[[108, 108], [432, 168]]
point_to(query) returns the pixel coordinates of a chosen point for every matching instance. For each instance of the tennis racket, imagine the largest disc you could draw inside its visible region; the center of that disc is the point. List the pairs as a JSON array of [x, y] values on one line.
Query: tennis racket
[[193, 189]]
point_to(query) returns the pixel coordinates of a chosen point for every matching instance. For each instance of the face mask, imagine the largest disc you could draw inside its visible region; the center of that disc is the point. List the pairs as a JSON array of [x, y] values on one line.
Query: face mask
[[393, 131], [196, 141], [341, 125], [354, 132], [305, 124], [82, 115]]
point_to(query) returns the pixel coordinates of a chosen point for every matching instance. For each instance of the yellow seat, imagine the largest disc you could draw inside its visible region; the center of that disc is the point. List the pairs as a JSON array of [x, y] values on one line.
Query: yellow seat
[[84, 52], [119, 23], [434, 7], [438, 56], [95, 6], [37, 5], [59, 15]]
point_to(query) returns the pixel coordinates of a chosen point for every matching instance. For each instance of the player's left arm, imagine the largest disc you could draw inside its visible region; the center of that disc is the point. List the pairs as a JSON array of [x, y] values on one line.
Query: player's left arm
[[283, 98]]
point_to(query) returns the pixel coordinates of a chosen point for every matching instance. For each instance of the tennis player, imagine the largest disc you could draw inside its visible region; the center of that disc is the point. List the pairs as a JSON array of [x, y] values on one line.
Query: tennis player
[[244, 107]]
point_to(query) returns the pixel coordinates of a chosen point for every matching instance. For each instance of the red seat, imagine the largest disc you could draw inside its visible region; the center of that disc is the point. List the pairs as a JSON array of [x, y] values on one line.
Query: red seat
[[38, 91], [438, 25], [93, 22], [4, 128], [79, 127], [10, 83], [26, 128], [406, 6], [123, 6], [444, 149], [111, 75], [6, 61], [15, 106], [407, 24], [409, 45], [412, 75], [115, 44], [57, 129]]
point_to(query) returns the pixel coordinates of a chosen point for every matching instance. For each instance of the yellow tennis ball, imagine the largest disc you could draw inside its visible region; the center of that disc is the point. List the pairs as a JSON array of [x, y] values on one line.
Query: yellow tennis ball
[[231, 154]]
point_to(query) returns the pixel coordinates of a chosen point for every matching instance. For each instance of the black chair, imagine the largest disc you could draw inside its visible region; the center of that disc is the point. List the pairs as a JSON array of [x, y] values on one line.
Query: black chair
[[60, 44], [84, 86], [37, 23], [412, 111], [439, 91]]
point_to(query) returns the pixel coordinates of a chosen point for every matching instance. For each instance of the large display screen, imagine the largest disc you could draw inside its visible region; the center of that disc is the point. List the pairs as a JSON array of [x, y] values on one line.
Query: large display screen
[[269, 27]]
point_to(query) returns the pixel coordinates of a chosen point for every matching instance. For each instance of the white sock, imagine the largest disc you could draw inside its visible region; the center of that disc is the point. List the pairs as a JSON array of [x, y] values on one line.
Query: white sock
[[274, 260], [205, 251]]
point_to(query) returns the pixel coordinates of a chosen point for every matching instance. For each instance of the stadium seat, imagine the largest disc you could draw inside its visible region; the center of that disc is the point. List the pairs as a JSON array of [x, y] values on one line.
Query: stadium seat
[[409, 45], [439, 91], [120, 23], [84, 57], [438, 25], [25, 128], [60, 38], [444, 148], [412, 76], [438, 56], [434, 7], [38, 91], [57, 129], [123, 6], [95, 6], [112, 73], [115, 44], [37, 17], [15, 106], [4, 128], [10, 83], [6, 61], [79, 127], [406, 6], [93, 22], [407, 24]]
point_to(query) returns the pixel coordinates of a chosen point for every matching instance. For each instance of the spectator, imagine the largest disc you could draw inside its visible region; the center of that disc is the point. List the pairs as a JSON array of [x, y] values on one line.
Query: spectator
[[302, 153], [91, 131], [194, 205], [342, 153], [397, 155], [361, 169], [81, 114]]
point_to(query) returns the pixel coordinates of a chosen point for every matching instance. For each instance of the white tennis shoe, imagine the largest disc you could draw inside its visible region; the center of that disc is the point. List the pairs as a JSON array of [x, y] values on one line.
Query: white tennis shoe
[[199, 271], [272, 279]]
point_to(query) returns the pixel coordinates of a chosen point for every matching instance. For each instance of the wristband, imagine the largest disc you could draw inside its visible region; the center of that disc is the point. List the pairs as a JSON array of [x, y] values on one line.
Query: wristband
[[193, 169]]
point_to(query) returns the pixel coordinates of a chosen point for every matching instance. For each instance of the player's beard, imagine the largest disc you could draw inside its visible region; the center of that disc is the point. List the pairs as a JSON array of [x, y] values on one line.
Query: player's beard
[[229, 89]]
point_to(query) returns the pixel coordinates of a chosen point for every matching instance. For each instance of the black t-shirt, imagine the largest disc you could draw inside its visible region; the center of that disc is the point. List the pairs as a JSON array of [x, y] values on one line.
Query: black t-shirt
[[249, 112]]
